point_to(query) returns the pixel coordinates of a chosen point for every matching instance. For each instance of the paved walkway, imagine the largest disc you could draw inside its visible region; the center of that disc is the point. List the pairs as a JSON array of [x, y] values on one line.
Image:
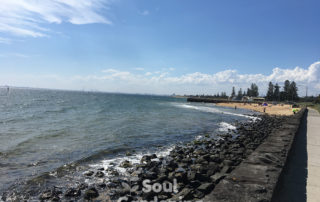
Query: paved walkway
[[313, 150]]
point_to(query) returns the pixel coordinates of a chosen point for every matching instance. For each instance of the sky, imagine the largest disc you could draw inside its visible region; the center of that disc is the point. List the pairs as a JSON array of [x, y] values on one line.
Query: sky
[[160, 46]]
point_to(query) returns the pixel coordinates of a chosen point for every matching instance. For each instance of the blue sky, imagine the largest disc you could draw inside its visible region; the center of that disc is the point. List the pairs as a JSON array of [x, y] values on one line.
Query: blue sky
[[153, 46]]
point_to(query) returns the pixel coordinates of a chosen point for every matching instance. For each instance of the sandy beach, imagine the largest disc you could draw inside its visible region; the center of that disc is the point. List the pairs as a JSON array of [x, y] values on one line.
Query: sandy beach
[[279, 109]]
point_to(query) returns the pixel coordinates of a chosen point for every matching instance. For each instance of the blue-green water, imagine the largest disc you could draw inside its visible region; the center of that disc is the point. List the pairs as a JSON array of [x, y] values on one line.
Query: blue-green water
[[42, 130]]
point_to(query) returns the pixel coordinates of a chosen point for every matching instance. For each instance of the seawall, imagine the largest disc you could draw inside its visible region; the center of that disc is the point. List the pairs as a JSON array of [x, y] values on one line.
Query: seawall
[[258, 177]]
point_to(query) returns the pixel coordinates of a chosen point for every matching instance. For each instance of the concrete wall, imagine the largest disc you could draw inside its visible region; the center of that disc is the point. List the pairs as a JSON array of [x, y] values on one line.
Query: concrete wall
[[257, 177]]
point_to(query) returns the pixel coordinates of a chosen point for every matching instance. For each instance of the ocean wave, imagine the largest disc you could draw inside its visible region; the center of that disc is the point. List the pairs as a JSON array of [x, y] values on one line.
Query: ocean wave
[[225, 127], [214, 110], [114, 163]]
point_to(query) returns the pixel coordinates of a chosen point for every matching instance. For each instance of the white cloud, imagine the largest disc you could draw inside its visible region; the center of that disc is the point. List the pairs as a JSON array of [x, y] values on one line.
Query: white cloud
[[29, 17], [163, 82]]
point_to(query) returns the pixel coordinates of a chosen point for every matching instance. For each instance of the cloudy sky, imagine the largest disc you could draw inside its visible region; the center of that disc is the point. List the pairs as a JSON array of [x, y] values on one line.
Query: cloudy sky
[[161, 47]]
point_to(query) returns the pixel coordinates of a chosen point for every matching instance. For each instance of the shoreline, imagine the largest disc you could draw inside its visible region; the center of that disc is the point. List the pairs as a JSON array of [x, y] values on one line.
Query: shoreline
[[198, 166], [271, 109]]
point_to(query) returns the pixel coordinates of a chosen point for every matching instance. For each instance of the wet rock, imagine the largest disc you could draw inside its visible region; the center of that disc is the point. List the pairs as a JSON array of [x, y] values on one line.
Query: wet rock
[[99, 174], [82, 186], [102, 185], [125, 164], [72, 192], [88, 173], [91, 193], [145, 158], [50, 194]]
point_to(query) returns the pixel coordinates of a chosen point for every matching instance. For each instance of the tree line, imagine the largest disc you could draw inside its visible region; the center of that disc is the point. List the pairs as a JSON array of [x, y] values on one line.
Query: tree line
[[289, 92]]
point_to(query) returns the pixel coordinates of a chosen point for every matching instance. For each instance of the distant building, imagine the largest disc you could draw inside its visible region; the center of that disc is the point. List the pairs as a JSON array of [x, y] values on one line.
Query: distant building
[[253, 99]]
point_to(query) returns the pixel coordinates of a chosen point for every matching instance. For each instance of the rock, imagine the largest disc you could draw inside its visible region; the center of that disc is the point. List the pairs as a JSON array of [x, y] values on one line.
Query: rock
[[226, 169], [125, 164], [205, 187], [145, 158], [198, 194], [88, 173], [46, 195], [181, 177], [102, 185], [101, 169], [99, 174], [194, 184], [228, 163], [72, 192], [217, 177], [202, 177], [184, 194], [50, 194], [113, 172], [191, 176], [91, 193], [215, 158], [82, 186], [153, 156]]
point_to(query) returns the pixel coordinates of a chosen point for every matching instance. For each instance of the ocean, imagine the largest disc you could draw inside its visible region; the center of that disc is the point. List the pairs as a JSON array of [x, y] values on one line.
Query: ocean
[[43, 132]]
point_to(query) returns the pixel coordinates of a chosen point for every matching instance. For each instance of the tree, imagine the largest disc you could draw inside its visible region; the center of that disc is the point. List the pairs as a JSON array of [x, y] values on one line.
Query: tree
[[233, 94], [276, 93], [254, 91], [239, 96], [286, 90], [270, 92], [249, 92], [293, 91]]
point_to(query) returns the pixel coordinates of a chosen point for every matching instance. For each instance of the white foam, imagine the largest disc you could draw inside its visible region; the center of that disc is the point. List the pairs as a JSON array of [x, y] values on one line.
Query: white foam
[[214, 110], [134, 159], [225, 127]]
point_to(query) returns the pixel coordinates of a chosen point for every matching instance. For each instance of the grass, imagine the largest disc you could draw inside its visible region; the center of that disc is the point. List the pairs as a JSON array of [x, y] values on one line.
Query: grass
[[317, 107], [310, 104]]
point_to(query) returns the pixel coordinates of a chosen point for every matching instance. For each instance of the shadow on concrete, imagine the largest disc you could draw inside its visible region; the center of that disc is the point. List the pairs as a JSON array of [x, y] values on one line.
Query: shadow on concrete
[[292, 184]]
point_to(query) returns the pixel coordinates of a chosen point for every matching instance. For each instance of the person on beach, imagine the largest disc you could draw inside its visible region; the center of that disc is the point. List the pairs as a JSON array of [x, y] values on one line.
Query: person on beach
[[264, 110], [235, 107]]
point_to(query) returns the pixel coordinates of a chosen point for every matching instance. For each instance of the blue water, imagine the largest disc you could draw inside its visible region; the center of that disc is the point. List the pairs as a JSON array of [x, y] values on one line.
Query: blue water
[[42, 130]]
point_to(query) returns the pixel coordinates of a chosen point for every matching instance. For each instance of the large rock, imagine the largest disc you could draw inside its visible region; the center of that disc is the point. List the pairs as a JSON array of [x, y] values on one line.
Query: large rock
[[91, 193]]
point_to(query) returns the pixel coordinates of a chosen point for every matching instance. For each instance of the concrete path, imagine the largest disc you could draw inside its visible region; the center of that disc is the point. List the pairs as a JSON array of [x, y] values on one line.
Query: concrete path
[[313, 150]]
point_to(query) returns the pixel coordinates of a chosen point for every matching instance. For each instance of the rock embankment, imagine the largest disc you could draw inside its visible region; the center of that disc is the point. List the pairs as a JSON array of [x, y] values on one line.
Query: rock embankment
[[196, 167], [256, 178], [232, 167]]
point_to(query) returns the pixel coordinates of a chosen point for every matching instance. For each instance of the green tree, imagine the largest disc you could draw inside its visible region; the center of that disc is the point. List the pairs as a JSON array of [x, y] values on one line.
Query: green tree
[[270, 93], [276, 93], [286, 90], [254, 90], [233, 94], [293, 91], [239, 96], [249, 92]]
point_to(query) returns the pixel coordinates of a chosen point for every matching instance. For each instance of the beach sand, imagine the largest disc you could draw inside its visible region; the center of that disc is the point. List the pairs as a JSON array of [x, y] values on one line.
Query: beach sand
[[279, 109]]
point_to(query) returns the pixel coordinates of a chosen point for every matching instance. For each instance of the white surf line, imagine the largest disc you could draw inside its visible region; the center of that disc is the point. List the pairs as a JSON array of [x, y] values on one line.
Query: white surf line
[[213, 110]]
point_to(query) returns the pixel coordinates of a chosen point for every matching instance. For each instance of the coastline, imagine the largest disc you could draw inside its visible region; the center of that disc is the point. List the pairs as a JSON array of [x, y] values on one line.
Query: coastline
[[271, 109], [198, 166]]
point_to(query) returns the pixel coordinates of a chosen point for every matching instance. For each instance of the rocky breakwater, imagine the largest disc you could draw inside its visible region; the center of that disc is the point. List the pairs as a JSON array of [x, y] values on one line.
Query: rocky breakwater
[[256, 178], [190, 172]]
